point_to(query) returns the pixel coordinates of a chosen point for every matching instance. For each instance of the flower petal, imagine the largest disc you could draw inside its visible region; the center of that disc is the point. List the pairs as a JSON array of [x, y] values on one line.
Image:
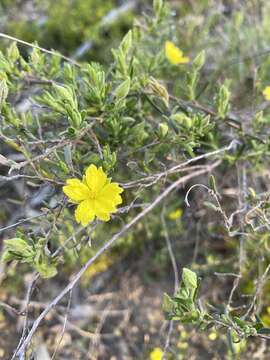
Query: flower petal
[[266, 93], [95, 178], [184, 60], [84, 213], [104, 205], [111, 189], [109, 196], [107, 200], [174, 54], [103, 216], [76, 190]]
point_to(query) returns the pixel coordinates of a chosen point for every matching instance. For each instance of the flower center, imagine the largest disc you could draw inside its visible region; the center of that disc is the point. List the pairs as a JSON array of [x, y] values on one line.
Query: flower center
[[92, 194]]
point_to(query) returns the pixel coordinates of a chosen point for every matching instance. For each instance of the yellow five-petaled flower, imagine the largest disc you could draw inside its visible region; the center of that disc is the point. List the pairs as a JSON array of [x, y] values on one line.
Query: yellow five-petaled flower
[[174, 54], [95, 195], [266, 93]]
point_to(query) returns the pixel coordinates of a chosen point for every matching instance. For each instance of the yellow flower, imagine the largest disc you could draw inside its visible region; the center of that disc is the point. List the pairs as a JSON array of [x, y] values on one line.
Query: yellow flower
[[174, 54], [212, 336], [95, 195], [266, 93], [156, 354], [176, 214]]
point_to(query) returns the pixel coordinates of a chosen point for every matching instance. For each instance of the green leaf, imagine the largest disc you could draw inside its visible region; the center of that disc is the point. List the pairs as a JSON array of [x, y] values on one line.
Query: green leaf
[[241, 323], [159, 90], [3, 92], [212, 183], [64, 93], [44, 264], [163, 130], [46, 270], [222, 101], [168, 304], [189, 278], [13, 53], [199, 61], [157, 5], [122, 90], [126, 43], [109, 158], [17, 249]]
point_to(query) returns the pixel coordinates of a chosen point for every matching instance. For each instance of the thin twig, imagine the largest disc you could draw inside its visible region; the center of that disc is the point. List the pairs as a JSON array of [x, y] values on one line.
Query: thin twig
[[26, 310], [51, 52], [176, 279], [22, 221], [51, 150], [178, 167], [64, 327], [11, 308]]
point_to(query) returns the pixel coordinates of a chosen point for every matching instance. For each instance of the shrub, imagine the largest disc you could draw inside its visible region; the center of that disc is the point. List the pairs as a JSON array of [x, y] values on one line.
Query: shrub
[[162, 123]]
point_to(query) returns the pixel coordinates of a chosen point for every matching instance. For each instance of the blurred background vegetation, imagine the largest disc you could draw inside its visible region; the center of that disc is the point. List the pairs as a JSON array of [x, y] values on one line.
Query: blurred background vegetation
[[83, 29]]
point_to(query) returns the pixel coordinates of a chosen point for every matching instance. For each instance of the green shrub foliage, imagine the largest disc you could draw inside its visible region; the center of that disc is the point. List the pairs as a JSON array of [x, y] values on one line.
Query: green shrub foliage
[[147, 122]]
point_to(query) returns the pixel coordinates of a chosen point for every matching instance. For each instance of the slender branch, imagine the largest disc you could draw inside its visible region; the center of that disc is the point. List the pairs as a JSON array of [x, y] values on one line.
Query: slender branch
[[22, 221], [63, 143], [64, 327], [26, 311], [170, 250], [179, 167], [176, 279], [11, 308], [32, 177], [51, 52]]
